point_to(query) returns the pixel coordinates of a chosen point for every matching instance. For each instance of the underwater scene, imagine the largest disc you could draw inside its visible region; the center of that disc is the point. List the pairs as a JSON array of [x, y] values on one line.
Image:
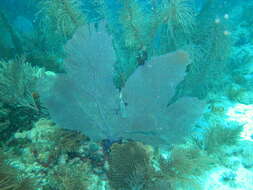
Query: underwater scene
[[126, 95]]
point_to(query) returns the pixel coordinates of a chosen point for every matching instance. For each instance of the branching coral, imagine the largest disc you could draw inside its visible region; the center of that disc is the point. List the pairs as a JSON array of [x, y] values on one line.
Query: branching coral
[[133, 38], [139, 25], [185, 165], [45, 135], [11, 179], [180, 18], [129, 166], [140, 32], [71, 177], [210, 51], [63, 16], [181, 14], [218, 136], [18, 83], [132, 20]]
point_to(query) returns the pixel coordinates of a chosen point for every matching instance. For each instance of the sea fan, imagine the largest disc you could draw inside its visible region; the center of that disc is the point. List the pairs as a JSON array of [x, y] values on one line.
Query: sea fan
[[86, 99]]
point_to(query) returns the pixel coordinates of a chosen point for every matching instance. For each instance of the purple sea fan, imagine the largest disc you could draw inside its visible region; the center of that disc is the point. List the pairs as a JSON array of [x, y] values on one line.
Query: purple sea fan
[[86, 99], [148, 92]]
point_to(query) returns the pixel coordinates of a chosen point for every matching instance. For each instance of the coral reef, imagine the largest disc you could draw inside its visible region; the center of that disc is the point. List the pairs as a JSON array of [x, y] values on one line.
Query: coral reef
[[50, 155], [175, 74], [18, 83], [103, 112], [62, 16], [11, 178], [185, 166], [219, 135], [19, 99], [132, 170], [180, 18]]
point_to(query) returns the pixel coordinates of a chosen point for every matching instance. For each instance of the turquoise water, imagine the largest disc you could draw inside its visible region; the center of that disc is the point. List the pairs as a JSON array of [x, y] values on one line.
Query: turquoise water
[[126, 95]]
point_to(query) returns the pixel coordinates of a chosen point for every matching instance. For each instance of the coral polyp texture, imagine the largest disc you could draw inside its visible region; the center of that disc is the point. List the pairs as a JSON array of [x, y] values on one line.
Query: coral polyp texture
[[86, 99]]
